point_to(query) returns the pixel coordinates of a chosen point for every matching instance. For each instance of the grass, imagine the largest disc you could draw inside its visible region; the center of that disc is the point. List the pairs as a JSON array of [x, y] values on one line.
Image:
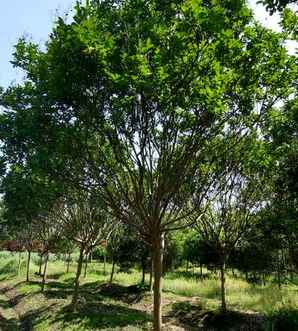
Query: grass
[[240, 294], [23, 305]]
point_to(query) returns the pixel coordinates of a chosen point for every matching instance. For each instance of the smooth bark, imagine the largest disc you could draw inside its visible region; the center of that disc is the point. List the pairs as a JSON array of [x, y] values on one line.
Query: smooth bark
[[19, 263], [279, 270], [112, 272], [68, 263], [157, 288], [40, 264], [44, 276], [77, 279], [28, 266], [86, 265], [104, 263], [223, 287], [151, 276], [143, 271]]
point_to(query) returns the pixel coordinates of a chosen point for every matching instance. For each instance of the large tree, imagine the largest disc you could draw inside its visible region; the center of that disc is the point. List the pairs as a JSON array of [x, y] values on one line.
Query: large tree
[[135, 94]]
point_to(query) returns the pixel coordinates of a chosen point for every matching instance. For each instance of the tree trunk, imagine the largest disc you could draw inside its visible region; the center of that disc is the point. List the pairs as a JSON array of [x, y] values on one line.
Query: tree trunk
[[279, 278], [40, 265], [151, 276], [77, 279], [157, 261], [143, 270], [28, 266], [19, 263], [104, 263], [201, 269], [86, 265], [112, 272], [279, 270], [233, 272], [68, 263], [223, 289], [44, 276]]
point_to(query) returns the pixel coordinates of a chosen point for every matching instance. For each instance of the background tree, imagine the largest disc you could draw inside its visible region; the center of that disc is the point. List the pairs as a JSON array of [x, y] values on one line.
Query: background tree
[[127, 250], [48, 234], [232, 208], [83, 222]]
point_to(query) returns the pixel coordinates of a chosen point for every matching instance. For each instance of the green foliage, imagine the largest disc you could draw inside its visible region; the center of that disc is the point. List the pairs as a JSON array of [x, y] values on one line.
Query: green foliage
[[276, 5]]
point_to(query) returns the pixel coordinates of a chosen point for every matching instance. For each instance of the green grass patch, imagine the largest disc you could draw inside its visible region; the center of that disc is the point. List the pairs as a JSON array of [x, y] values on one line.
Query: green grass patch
[[130, 311]]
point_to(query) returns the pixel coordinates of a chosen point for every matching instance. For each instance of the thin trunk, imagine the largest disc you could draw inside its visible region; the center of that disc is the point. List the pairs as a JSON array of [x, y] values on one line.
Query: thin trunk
[[19, 263], [86, 265], [201, 269], [44, 276], [223, 289], [292, 273], [28, 266], [278, 271], [279, 278], [77, 279], [112, 272], [157, 260], [187, 265], [68, 263], [104, 264], [40, 265], [151, 276], [143, 270]]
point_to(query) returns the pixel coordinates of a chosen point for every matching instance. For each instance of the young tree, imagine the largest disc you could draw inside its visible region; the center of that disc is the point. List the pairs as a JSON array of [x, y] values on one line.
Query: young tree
[[126, 249], [28, 238], [48, 234], [84, 222], [232, 209]]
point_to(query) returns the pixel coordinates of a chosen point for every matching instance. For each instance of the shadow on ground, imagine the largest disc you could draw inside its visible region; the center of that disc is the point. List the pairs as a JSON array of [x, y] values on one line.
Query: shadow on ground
[[34, 317], [194, 315], [8, 324], [284, 319], [97, 315], [128, 294]]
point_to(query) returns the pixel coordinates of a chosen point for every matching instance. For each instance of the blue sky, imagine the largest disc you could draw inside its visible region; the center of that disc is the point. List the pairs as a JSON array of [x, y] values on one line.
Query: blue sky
[[35, 18]]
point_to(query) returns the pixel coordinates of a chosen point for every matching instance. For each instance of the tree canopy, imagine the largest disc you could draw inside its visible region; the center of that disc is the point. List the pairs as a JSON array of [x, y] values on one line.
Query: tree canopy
[[142, 107]]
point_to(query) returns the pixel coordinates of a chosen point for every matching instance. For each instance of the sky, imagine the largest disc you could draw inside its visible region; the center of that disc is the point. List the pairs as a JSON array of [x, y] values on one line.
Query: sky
[[34, 19]]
